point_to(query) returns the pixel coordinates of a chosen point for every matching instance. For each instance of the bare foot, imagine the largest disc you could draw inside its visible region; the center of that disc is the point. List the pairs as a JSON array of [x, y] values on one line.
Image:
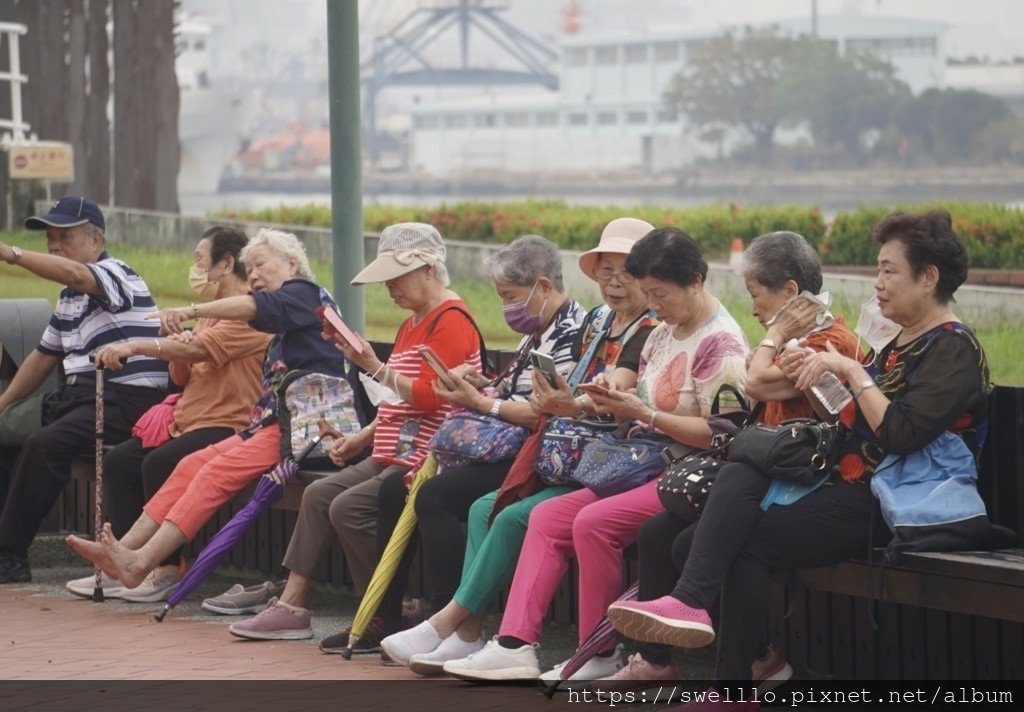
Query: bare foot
[[129, 569], [93, 551]]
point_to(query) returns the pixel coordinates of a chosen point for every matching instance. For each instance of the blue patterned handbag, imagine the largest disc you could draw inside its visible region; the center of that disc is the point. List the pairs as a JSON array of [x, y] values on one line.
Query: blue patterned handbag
[[613, 464], [467, 436], [561, 447]]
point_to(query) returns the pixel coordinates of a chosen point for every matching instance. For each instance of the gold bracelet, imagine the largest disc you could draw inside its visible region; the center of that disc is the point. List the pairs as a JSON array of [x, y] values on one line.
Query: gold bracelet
[[158, 348]]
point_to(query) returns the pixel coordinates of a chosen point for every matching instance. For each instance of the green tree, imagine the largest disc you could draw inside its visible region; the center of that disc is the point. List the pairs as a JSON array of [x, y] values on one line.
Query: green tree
[[842, 97], [946, 121], [735, 81], [763, 80]]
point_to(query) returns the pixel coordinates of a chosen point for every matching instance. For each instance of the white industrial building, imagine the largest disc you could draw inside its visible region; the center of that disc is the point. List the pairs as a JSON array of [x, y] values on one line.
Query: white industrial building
[[608, 116]]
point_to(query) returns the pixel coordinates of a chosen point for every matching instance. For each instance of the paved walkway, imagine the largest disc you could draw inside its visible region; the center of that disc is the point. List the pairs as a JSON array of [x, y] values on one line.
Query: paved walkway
[[52, 635], [113, 655]]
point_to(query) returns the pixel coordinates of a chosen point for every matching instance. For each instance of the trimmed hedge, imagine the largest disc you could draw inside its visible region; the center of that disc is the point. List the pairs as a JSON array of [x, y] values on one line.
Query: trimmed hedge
[[994, 234]]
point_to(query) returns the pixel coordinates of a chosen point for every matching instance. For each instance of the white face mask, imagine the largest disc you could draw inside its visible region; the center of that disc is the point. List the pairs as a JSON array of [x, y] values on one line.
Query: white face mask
[[875, 328], [377, 392]]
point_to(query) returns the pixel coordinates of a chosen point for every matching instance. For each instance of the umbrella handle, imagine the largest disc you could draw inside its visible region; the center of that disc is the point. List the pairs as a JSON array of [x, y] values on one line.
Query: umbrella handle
[[550, 690], [304, 452], [346, 653]]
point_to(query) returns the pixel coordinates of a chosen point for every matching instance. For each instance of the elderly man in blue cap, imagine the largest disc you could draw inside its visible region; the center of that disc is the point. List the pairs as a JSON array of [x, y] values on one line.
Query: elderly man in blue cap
[[103, 302]]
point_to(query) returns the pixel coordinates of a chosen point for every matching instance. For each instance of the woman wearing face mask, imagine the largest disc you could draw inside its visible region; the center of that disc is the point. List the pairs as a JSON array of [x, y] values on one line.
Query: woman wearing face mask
[[218, 367], [410, 263], [609, 346], [281, 302], [527, 275], [696, 350]]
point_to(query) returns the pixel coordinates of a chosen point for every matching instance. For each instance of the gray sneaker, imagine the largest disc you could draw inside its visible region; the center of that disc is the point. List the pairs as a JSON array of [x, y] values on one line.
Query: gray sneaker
[[239, 601]]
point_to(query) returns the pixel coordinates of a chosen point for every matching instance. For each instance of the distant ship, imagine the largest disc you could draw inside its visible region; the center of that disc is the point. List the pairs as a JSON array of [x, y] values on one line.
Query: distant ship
[[211, 120]]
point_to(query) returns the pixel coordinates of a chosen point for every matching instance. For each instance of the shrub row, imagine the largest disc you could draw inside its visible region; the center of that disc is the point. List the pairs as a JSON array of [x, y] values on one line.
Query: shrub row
[[994, 234]]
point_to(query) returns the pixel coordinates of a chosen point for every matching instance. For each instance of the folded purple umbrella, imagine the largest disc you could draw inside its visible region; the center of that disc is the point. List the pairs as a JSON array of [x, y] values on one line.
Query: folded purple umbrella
[[269, 489], [599, 640]]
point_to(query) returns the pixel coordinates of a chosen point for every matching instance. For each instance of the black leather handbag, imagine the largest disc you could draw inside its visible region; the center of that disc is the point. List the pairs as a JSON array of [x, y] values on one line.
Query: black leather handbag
[[684, 487], [798, 451]]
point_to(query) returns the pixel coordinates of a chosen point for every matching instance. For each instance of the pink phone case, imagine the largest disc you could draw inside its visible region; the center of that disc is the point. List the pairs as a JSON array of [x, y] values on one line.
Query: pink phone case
[[438, 367], [334, 319]]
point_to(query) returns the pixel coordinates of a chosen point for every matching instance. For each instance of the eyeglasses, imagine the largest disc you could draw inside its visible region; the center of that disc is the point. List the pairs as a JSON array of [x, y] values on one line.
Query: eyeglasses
[[605, 274]]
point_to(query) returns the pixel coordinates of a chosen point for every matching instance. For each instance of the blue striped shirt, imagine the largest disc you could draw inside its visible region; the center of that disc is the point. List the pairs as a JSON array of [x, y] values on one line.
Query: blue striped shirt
[[83, 323]]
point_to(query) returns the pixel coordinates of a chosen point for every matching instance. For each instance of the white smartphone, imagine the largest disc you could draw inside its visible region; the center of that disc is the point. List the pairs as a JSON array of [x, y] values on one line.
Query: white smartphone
[[546, 365]]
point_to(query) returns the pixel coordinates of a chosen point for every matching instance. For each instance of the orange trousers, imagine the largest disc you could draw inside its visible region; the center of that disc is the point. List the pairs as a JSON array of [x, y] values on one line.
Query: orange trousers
[[206, 479]]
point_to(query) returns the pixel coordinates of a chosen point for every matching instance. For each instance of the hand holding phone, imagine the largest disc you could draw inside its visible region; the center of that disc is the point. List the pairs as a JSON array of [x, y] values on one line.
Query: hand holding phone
[[329, 316], [546, 366], [430, 356], [594, 389]]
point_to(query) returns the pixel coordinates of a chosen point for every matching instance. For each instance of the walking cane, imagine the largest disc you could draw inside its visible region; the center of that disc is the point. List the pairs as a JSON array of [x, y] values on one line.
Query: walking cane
[[97, 591]]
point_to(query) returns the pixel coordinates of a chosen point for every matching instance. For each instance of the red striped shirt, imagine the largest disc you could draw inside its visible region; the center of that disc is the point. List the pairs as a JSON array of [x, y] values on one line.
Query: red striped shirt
[[455, 341]]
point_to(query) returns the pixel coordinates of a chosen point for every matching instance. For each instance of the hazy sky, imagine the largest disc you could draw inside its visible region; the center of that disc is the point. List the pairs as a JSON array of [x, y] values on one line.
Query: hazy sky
[[992, 27]]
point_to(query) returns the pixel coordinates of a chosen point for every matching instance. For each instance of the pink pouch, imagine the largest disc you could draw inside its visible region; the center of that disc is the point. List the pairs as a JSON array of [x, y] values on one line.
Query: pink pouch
[[154, 427]]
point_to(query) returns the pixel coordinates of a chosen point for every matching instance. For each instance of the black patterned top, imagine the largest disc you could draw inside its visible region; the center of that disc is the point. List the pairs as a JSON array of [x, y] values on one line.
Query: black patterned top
[[937, 382]]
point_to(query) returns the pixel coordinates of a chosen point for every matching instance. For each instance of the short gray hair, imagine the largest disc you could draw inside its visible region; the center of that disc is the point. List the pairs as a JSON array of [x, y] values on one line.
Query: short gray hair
[[441, 272], [525, 260], [93, 229], [777, 257], [284, 244]]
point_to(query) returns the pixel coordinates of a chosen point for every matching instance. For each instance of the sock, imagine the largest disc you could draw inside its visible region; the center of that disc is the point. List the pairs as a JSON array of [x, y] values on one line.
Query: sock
[[511, 642], [422, 637]]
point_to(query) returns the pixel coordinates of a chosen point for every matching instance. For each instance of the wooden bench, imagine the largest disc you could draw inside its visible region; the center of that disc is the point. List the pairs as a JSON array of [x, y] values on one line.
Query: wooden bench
[[940, 616]]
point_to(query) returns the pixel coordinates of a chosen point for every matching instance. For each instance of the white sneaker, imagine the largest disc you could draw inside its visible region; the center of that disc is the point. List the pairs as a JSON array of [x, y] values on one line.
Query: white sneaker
[[400, 646], [494, 662], [451, 648], [594, 669], [156, 586], [83, 587]]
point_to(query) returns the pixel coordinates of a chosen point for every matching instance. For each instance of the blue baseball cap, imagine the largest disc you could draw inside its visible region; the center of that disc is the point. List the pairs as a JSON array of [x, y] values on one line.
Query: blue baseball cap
[[69, 211]]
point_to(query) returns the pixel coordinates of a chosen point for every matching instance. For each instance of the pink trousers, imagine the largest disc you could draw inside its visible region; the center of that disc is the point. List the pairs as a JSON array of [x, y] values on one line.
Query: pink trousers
[[210, 477], [596, 531]]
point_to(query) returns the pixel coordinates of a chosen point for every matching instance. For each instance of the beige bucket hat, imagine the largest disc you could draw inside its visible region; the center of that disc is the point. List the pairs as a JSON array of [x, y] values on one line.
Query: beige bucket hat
[[617, 237]]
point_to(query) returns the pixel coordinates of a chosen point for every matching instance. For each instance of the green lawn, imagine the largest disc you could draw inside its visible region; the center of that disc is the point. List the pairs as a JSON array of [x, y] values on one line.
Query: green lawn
[[167, 276]]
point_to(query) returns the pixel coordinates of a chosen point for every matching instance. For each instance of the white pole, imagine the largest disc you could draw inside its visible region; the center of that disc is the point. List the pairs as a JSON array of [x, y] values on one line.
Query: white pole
[[16, 80]]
